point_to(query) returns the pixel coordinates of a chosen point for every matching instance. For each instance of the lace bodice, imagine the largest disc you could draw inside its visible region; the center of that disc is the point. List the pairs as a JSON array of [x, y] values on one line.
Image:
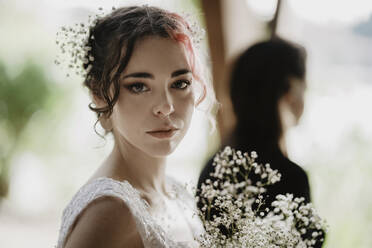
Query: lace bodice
[[152, 233]]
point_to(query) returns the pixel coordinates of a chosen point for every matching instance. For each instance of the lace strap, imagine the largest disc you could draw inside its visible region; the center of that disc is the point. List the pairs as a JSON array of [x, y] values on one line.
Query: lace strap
[[188, 204], [107, 187]]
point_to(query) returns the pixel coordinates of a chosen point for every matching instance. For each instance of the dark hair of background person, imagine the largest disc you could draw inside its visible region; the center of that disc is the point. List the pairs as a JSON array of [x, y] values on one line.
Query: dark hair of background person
[[261, 76]]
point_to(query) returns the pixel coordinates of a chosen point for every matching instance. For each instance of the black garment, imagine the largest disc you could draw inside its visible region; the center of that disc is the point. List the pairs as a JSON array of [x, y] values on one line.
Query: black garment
[[294, 179]]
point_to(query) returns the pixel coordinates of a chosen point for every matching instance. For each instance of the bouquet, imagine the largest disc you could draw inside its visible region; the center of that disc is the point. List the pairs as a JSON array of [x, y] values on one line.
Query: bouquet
[[232, 208]]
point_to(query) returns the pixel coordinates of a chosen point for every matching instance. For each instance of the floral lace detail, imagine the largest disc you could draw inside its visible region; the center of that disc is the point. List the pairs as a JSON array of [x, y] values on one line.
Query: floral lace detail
[[151, 233]]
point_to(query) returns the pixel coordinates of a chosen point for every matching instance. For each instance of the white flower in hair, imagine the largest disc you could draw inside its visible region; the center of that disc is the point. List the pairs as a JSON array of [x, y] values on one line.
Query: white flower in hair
[[72, 42], [197, 33], [75, 53]]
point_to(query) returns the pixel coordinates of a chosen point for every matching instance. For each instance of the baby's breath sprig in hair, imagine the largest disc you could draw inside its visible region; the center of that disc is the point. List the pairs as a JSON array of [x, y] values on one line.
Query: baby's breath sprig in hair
[[75, 55], [75, 52], [197, 33]]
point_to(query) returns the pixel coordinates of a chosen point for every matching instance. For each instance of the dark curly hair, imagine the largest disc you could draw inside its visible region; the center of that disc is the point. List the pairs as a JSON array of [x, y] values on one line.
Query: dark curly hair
[[111, 43]]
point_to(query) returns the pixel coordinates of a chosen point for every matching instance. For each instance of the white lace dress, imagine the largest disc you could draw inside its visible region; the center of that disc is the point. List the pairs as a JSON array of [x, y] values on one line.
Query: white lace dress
[[151, 231]]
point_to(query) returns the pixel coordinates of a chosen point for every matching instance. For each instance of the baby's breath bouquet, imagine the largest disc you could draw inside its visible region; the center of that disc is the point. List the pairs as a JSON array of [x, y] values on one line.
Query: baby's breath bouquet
[[232, 208]]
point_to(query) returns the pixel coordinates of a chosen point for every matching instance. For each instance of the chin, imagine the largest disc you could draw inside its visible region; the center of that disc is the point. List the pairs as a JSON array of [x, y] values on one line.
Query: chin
[[162, 149]]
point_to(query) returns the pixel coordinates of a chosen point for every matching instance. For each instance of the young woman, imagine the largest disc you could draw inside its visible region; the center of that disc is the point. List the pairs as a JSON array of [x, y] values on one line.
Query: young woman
[[143, 74]]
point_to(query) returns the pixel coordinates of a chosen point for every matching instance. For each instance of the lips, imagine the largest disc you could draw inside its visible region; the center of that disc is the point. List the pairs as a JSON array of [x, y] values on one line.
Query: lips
[[163, 133]]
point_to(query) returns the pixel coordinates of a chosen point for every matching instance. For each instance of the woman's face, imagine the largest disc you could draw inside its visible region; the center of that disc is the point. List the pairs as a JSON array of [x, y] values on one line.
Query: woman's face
[[156, 100]]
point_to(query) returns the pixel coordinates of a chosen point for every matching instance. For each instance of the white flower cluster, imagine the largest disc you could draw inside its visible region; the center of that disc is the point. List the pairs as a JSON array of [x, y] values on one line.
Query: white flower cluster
[[196, 32], [243, 224], [302, 216], [73, 44]]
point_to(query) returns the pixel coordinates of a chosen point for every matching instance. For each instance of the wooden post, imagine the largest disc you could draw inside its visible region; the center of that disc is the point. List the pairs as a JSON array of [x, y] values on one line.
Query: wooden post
[[231, 28], [214, 23]]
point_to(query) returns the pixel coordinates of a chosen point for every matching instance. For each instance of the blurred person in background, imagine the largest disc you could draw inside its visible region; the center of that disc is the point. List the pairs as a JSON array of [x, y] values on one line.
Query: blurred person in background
[[267, 87]]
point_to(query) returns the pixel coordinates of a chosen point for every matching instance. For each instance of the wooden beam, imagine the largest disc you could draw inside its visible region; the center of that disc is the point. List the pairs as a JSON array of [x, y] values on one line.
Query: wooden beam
[[217, 45]]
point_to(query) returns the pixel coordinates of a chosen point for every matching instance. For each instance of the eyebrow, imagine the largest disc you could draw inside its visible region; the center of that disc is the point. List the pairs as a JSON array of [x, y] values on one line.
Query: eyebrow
[[139, 75], [149, 75], [180, 72]]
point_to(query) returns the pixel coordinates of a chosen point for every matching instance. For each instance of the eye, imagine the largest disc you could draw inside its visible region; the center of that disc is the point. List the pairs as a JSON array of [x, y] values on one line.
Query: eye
[[137, 88], [181, 84]]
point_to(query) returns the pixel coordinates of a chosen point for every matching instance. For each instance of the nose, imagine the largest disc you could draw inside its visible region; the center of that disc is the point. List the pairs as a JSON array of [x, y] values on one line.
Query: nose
[[164, 107]]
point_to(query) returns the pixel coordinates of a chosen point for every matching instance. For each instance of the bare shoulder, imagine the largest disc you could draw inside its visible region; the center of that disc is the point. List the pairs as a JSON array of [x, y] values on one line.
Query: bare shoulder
[[106, 222]]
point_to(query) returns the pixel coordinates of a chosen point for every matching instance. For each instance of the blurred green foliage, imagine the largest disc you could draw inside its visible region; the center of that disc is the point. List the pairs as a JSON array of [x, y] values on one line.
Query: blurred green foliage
[[20, 98]]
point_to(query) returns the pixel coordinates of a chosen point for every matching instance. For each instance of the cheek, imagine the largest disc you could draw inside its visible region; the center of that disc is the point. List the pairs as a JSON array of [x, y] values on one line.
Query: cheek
[[185, 105], [127, 113], [299, 107], [301, 101], [184, 113]]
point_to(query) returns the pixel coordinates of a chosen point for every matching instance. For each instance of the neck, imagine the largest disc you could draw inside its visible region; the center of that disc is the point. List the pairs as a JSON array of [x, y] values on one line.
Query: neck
[[283, 145], [287, 121], [142, 171]]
